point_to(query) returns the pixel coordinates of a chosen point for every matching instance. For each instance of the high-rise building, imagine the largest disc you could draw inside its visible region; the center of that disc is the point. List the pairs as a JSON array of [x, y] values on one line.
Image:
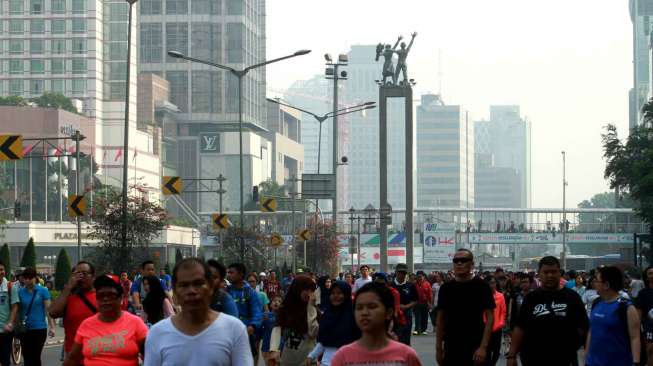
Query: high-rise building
[[445, 155], [641, 12], [78, 48], [231, 33], [503, 148], [363, 149], [285, 126]]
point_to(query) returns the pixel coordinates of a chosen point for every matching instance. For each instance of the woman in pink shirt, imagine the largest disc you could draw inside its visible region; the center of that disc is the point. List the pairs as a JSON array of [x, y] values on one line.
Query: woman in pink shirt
[[111, 337], [494, 348], [373, 310]]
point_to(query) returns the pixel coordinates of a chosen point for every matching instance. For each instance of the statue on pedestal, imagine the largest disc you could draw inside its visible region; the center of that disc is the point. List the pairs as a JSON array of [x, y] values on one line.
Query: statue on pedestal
[[388, 68]]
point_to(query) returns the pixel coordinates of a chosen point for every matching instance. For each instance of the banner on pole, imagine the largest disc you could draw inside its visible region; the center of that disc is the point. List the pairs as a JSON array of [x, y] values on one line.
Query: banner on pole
[[439, 242]]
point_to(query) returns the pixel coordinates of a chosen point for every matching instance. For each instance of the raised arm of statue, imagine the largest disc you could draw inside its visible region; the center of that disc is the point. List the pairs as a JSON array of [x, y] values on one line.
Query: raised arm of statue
[[397, 43], [411, 41]]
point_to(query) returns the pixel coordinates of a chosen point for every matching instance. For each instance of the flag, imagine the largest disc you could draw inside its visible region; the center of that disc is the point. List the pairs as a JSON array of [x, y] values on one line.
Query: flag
[[118, 155], [27, 149], [58, 151], [71, 149], [135, 154]]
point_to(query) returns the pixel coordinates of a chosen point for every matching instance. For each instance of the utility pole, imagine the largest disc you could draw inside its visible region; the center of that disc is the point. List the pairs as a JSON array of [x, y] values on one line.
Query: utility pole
[[564, 211], [77, 138]]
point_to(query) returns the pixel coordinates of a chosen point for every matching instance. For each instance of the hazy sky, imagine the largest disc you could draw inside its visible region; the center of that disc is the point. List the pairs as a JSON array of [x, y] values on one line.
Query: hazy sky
[[567, 63]]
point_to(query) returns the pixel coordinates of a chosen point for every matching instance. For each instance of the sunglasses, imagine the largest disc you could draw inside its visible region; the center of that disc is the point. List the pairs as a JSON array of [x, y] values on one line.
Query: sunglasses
[[461, 260]]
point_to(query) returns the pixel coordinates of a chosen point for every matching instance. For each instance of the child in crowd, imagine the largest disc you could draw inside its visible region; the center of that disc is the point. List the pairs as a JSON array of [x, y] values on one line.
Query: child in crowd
[[374, 309], [269, 321]]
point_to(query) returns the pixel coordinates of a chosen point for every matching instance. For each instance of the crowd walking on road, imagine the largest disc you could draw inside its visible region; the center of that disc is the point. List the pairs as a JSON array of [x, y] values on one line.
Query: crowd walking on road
[[206, 313]]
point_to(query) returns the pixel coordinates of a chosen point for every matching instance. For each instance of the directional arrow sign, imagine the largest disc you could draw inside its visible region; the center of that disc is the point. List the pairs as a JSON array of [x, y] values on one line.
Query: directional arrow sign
[[11, 147], [276, 240], [76, 205], [220, 221], [304, 235], [171, 185], [268, 205]]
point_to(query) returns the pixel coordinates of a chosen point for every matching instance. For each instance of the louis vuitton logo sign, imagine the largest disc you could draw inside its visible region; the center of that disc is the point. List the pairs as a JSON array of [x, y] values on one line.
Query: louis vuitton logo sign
[[209, 143]]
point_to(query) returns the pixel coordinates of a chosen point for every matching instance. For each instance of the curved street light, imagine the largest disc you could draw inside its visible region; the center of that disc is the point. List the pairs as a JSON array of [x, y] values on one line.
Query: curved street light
[[240, 74]]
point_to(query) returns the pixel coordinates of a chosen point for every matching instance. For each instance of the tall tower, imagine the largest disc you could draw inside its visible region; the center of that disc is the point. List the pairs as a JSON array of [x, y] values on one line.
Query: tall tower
[[231, 33], [641, 12]]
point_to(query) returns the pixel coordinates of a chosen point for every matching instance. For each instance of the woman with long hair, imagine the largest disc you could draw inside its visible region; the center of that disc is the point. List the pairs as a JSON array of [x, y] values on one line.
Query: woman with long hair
[[337, 324], [322, 292], [156, 305], [374, 309], [494, 348], [297, 324]]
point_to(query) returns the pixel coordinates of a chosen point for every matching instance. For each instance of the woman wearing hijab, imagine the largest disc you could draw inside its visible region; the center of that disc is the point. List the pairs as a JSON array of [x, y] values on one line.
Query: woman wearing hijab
[[322, 292], [337, 325], [297, 324]]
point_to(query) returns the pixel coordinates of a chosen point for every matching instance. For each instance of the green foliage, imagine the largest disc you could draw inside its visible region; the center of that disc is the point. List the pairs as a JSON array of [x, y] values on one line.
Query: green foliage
[[271, 188], [29, 255], [14, 101], [5, 257], [629, 165], [55, 100], [63, 270], [145, 220]]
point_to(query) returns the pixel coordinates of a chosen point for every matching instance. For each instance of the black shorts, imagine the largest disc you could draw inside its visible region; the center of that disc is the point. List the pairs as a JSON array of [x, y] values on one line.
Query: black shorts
[[648, 331]]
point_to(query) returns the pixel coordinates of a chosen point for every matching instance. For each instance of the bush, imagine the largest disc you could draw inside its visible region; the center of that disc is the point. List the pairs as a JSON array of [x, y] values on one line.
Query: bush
[[29, 255], [63, 271]]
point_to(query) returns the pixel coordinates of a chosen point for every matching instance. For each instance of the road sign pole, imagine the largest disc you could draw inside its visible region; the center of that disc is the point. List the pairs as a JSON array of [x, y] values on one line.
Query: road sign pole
[[292, 229], [79, 219]]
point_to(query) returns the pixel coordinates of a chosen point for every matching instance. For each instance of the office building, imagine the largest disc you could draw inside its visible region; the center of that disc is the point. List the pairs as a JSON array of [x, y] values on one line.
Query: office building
[[641, 12], [78, 48], [285, 126], [503, 148], [363, 149], [230, 33], [445, 155]]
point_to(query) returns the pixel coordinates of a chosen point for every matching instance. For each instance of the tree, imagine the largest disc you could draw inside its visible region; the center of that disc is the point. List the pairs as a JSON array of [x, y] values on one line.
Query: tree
[[271, 188], [63, 271], [55, 100], [629, 165], [145, 220], [257, 253], [5, 258], [29, 255], [322, 250], [15, 101]]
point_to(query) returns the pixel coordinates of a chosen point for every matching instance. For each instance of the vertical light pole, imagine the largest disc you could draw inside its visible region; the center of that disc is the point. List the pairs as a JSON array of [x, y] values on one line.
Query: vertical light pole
[[125, 148], [332, 72], [240, 74], [78, 137], [564, 211]]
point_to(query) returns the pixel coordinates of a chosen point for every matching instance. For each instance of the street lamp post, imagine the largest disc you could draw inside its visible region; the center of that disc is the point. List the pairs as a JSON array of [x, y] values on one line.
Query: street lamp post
[[332, 72], [322, 118], [564, 210], [125, 149], [240, 74]]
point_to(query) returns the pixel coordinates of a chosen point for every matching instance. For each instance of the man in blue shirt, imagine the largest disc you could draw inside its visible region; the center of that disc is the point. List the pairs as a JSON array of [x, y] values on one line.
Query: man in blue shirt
[[247, 301], [137, 291]]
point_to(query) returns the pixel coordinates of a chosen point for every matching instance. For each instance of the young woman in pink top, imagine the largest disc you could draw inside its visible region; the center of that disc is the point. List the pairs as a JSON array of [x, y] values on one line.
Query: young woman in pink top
[[494, 348], [373, 310]]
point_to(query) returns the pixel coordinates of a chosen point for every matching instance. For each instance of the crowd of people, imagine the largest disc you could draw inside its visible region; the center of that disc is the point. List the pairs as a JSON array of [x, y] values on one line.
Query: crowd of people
[[204, 313]]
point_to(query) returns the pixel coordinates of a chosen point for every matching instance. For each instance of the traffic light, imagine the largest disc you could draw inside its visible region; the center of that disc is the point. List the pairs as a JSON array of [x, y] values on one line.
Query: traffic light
[[17, 209], [255, 193]]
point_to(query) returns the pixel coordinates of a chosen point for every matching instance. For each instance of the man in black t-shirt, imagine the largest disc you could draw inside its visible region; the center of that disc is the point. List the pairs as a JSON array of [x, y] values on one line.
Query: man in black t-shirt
[[552, 323], [408, 300], [462, 336]]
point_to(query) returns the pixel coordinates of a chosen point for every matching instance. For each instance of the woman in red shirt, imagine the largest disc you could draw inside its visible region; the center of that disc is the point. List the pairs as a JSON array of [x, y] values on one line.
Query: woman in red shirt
[[494, 348]]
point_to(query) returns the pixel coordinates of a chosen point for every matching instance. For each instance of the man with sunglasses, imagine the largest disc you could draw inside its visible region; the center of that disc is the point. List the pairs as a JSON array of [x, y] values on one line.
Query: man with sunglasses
[[462, 334]]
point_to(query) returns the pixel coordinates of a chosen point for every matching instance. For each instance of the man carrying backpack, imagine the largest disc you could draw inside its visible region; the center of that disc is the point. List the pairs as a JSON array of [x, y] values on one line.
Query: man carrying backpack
[[614, 337], [247, 301]]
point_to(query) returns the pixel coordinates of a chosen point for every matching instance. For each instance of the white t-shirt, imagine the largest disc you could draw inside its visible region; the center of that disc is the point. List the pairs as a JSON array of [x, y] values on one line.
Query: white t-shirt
[[360, 282], [223, 343]]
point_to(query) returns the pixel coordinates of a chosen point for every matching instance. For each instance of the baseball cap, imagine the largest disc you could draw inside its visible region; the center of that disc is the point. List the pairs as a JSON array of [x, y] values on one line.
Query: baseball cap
[[107, 281], [401, 267], [382, 275]]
